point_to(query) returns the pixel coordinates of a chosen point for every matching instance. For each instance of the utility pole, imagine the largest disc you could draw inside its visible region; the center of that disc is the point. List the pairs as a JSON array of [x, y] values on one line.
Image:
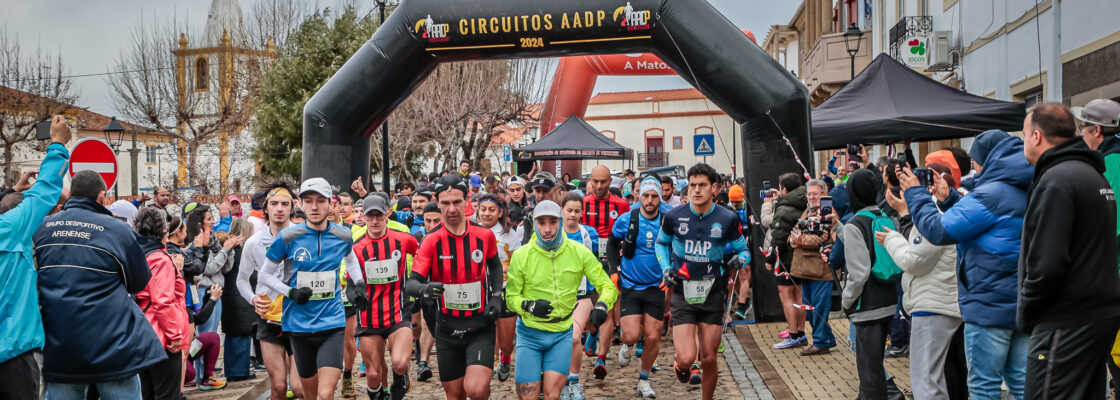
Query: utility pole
[[134, 153], [384, 126]]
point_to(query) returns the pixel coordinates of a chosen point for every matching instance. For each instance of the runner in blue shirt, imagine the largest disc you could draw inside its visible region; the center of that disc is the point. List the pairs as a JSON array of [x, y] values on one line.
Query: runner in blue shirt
[[303, 264], [642, 306], [690, 250]]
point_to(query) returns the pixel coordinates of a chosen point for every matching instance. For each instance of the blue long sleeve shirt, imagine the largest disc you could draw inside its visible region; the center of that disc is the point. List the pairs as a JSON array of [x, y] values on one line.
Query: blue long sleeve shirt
[[21, 325]]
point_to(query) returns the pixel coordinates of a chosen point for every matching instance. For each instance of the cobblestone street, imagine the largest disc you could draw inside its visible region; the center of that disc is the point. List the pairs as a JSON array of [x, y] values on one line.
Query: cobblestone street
[[618, 384]]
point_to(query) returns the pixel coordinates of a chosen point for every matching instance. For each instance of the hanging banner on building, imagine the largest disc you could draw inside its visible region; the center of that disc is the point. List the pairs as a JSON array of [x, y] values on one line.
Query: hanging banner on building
[[915, 53]]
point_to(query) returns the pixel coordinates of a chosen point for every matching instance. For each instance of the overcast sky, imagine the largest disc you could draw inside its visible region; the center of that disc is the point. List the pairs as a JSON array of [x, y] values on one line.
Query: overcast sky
[[90, 34]]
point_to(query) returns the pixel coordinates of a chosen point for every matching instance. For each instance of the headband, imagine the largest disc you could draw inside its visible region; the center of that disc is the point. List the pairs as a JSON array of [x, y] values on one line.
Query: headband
[[490, 200], [177, 227], [650, 184], [279, 191]]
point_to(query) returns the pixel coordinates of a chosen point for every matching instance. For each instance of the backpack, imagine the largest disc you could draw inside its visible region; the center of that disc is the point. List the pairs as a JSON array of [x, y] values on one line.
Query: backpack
[[630, 243], [883, 266]]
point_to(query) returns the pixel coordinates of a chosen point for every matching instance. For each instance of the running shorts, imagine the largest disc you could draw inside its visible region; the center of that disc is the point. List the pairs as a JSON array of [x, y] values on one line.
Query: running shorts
[[268, 331], [384, 332], [649, 301], [316, 350], [456, 352], [538, 351], [709, 312]]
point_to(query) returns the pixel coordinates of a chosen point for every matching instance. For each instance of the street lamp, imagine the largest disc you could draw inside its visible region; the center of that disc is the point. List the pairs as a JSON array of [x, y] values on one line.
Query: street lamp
[[853, 32], [111, 129]]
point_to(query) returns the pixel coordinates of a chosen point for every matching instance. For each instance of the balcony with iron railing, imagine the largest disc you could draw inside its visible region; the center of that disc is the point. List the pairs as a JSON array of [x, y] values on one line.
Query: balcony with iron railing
[[905, 28], [827, 67], [652, 160]]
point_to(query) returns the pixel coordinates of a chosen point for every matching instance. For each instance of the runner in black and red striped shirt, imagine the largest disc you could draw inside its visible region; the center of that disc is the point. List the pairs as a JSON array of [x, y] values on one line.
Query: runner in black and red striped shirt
[[458, 269], [600, 210], [383, 254]]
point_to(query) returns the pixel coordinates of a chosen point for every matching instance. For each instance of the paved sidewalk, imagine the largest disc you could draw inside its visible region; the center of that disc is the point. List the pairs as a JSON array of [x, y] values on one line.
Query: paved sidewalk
[[738, 380], [830, 376]]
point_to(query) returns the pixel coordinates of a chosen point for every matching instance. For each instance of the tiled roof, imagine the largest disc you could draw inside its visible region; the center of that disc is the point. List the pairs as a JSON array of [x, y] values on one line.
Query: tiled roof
[[648, 95], [87, 120]]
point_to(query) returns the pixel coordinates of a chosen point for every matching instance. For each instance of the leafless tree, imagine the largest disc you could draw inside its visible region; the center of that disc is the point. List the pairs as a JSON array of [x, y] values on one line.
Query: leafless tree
[[276, 19], [454, 113], [33, 89], [194, 109]]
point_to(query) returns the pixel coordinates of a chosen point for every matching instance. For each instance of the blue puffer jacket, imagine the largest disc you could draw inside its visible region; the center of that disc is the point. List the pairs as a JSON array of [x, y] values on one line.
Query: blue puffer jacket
[[89, 263], [986, 225]]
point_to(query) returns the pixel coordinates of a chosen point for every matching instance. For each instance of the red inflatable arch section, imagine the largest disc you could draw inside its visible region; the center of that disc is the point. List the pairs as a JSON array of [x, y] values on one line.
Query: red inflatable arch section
[[575, 81]]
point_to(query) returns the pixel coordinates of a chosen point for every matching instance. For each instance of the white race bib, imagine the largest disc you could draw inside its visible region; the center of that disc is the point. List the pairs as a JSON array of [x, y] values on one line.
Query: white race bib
[[381, 271], [194, 296], [464, 296], [322, 284], [196, 345], [696, 292], [603, 248], [582, 287]]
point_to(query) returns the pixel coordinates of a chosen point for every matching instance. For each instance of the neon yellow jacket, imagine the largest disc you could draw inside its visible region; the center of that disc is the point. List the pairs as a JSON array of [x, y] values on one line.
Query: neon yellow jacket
[[535, 274]]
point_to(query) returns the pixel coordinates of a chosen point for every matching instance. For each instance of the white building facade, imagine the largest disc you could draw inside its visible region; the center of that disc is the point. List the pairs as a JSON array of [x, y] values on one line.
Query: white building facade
[[664, 128]]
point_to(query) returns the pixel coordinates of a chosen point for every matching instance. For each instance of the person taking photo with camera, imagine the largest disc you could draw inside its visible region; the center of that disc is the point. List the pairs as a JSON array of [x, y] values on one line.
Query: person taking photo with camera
[[806, 240]]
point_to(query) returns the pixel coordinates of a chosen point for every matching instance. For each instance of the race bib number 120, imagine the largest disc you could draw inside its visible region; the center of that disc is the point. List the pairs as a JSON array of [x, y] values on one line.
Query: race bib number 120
[[322, 284]]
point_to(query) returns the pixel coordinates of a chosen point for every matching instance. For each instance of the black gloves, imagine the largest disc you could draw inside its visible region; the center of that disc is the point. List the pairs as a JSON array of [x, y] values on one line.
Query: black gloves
[[493, 307], [598, 314], [669, 278], [736, 262], [300, 296], [431, 290], [538, 308], [361, 299]]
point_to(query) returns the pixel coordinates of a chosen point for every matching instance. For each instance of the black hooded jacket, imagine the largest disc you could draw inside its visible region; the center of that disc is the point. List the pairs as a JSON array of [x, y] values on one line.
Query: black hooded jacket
[[1067, 267]]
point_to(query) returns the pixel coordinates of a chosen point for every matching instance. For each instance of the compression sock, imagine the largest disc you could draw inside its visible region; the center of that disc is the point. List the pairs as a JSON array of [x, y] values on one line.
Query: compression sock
[[643, 374]]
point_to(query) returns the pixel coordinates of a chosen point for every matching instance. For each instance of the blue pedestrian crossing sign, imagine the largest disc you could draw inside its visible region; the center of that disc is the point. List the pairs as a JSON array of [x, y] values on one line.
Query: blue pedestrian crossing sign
[[704, 145]]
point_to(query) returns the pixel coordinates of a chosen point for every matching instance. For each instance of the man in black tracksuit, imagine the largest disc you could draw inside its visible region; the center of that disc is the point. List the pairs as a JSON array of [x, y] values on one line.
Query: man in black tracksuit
[[1068, 284]]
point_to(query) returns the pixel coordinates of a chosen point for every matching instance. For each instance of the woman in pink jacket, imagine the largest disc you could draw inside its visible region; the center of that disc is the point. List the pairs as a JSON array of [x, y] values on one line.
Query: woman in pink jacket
[[164, 304]]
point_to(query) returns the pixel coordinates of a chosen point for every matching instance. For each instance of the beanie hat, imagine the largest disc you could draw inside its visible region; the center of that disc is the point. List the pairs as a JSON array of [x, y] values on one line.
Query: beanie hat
[[984, 144], [735, 194]]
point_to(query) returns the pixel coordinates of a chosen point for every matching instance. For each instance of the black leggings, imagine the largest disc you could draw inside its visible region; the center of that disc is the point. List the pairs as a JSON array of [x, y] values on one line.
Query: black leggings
[[163, 380], [317, 350]]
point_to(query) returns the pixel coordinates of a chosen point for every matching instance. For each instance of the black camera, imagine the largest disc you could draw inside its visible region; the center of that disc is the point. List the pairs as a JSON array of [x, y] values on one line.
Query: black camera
[[811, 225], [925, 176]]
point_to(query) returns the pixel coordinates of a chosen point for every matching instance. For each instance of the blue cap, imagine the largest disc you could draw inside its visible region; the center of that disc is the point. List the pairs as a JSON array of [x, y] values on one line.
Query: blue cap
[[476, 181]]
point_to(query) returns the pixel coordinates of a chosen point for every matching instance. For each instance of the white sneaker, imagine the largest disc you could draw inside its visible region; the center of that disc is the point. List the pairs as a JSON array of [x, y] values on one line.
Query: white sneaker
[[645, 390], [624, 355]]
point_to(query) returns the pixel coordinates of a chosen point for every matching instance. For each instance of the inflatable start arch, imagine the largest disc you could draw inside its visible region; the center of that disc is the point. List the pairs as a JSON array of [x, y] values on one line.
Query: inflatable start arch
[[690, 36]]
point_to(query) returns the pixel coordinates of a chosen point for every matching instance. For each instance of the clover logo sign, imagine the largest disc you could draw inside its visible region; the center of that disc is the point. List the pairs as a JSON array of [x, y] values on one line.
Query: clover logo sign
[[917, 47]]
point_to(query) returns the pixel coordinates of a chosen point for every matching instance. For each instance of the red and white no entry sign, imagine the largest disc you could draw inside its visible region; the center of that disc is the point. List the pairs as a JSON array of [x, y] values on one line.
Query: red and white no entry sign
[[94, 155]]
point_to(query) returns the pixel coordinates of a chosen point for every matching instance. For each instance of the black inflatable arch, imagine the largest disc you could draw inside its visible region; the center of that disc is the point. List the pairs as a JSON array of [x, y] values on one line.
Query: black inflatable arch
[[689, 35]]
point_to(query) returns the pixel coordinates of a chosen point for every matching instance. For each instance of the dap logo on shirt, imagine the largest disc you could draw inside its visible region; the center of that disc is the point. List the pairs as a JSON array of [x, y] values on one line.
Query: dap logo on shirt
[[302, 255], [698, 248]]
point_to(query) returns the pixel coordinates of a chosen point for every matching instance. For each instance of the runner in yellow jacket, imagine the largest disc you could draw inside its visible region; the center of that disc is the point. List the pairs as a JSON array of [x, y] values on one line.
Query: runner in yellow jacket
[[544, 276]]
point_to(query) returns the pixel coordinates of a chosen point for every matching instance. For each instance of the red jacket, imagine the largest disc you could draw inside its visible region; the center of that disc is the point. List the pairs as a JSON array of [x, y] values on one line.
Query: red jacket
[[164, 299]]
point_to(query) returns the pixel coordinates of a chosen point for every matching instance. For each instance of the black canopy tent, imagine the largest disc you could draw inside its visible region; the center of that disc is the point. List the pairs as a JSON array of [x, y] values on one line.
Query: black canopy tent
[[574, 139], [889, 102]]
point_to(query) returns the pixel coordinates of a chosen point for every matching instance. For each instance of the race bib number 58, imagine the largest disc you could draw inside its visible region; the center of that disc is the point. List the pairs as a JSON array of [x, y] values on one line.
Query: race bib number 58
[[696, 292]]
